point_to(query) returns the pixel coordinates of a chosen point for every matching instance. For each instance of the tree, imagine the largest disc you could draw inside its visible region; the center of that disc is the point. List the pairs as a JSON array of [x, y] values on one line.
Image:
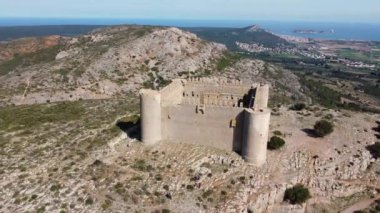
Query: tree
[[323, 128], [275, 142], [298, 194]]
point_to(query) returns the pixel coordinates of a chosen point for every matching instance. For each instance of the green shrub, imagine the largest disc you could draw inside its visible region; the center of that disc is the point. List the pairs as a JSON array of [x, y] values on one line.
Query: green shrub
[[323, 128], [207, 193], [190, 187], [166, 187], [158, 177], [320, 93], [25, 117], [298, 194], [165, 211], [55, 187], [277, 133], [298, 106], [41, 209], [89, 201], [33, 197], [275, 142], [227, 60], [142, 166], [242, 179], [106, 204], [328, 117], [24, 60]]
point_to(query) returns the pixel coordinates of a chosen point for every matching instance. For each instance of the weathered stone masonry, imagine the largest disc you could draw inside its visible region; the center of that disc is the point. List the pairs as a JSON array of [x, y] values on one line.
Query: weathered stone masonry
[[222, 113]]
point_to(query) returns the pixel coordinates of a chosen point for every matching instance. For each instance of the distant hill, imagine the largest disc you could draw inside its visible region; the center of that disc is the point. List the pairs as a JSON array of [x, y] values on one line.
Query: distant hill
[[11, 33], [229, 36]]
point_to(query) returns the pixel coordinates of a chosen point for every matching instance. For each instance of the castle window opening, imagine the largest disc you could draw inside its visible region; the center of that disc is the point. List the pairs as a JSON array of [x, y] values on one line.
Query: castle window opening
[[233, 123]]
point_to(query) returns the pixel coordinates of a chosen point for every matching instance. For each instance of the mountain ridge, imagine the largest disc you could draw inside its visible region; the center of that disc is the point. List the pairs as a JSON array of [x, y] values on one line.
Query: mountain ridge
[[230, 36], [104, 63]]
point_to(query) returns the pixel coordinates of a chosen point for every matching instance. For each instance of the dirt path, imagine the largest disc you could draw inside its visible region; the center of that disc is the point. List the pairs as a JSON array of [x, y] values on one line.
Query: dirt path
[[360, 205]]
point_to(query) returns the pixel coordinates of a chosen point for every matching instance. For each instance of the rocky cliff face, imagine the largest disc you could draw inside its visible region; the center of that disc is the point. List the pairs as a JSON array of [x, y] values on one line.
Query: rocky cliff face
[[102, 64]]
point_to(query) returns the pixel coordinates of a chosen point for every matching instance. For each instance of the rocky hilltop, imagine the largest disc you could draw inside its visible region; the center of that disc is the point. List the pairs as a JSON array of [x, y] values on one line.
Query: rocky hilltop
[[101, 64], [71, 143]]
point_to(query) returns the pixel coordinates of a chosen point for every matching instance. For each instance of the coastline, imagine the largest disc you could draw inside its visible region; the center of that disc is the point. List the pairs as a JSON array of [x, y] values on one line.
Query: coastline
[[342, 31]]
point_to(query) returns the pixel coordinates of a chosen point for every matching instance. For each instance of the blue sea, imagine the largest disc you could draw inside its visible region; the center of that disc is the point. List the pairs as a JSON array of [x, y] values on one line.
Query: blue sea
[[343, 31]]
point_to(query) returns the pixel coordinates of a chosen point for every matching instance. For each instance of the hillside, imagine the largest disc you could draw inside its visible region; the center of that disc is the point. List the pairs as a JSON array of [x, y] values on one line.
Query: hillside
[[74, 157], [229, 36], [69, 131], [102, 64], [12, 33], [24, 46]]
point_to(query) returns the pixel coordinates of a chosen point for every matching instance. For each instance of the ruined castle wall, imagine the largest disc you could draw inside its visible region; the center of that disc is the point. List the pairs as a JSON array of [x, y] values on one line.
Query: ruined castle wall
[[223, 95], [261, 97], [150, 104], [228, 89], [255, 135], [220, 127], [215, 99], [173, 93]]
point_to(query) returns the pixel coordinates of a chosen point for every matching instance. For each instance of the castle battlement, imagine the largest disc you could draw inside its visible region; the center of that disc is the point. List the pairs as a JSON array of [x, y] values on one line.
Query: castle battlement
[[217, 112]]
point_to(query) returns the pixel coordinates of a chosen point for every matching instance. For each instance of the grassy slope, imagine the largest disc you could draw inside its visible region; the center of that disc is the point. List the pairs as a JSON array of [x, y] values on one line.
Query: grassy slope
[[354, 55], [24, 60]]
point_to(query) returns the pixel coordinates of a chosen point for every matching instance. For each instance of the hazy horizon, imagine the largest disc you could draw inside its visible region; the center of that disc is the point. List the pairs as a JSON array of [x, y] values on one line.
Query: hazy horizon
[[45, 21], [345, 31], [365, 11]]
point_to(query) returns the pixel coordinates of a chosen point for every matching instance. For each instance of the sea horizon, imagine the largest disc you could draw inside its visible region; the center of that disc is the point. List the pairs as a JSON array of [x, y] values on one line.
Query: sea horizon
[[342, 31]]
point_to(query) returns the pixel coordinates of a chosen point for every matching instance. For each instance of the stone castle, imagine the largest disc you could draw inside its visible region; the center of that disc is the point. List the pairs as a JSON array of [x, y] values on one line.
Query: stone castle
[[221, 113]]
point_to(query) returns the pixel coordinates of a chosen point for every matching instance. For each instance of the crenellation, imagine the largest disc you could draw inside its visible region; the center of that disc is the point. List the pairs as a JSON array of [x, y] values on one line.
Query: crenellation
[[218, 112]]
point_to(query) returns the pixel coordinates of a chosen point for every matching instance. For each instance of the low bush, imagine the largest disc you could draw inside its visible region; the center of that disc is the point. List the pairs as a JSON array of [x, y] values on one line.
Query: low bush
[[165, 211], [207, 193], [26, 117], [323, 128], [143, 166], [298, 194], [277, 133], [190, 187], [298, 106], [275, 143], [89, 201], [227, 60]]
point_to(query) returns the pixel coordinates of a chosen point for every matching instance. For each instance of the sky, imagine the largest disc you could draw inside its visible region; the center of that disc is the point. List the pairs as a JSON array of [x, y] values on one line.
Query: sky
[[276, 10]]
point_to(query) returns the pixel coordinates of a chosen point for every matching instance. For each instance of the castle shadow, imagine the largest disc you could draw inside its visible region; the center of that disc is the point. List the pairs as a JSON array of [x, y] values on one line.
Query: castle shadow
[[132, 129], [374, 149], [238, 134], [377, 136], [310, 132]]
